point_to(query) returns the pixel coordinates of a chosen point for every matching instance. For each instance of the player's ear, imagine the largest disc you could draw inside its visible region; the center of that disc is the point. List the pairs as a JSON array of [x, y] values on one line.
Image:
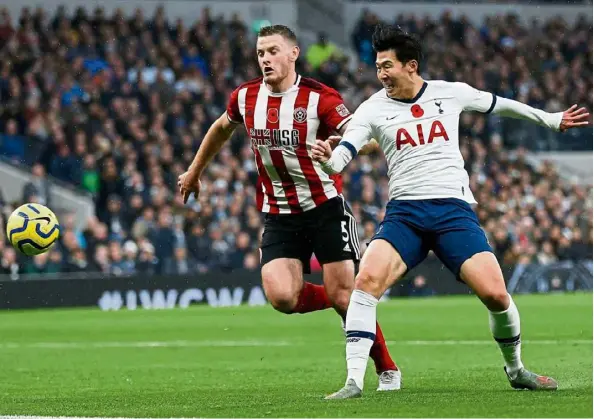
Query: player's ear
[[412, 66], [294, 53]]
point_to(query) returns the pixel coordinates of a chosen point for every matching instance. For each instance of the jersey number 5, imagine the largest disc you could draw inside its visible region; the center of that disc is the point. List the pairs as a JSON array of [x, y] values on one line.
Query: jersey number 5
[[345, 232]]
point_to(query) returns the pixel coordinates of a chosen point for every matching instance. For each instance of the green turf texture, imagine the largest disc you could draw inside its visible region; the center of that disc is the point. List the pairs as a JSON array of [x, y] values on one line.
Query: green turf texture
[[440, 380]]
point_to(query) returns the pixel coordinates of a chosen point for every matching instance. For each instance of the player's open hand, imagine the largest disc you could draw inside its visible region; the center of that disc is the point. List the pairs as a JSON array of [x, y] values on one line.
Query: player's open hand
[[188, 184], [574, 118], [321, 151]]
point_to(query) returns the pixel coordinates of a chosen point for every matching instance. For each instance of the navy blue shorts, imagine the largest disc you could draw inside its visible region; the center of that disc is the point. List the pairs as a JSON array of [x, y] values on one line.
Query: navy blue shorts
[[447, 226]]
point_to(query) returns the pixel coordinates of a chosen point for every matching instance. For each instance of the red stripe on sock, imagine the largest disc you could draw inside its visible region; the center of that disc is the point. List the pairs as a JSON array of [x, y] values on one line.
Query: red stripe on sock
[[380, 354]]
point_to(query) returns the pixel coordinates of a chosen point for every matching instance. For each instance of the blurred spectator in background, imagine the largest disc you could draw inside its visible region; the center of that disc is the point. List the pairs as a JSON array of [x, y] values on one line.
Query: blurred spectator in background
[[361, 37], [418, 287], [45, 263], [321, 51], [9, 264], [181, 263], [38, 189]]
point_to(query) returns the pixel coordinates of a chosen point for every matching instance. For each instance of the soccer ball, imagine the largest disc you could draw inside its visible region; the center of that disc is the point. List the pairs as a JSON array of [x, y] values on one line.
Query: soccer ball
[[32, 229]]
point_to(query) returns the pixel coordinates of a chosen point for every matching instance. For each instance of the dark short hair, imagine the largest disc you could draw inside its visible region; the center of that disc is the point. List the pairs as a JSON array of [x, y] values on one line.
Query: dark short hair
[[281, 30], [406, 46]]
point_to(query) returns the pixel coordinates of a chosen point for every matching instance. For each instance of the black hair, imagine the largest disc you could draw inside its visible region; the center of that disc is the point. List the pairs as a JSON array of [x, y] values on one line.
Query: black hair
[[281, 30], [406, 46]]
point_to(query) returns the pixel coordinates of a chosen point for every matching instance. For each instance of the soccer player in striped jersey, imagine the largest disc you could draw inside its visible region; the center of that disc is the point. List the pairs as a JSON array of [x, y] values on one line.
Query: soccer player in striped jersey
[[305, 212]]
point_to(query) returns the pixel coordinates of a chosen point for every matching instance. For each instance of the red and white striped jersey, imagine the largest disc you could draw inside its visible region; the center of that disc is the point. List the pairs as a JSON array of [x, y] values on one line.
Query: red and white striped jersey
[[282, 127]]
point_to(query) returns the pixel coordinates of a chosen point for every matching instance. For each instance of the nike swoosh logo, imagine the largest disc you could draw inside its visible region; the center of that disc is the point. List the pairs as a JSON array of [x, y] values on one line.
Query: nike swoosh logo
[[390, 118], [46, 219]]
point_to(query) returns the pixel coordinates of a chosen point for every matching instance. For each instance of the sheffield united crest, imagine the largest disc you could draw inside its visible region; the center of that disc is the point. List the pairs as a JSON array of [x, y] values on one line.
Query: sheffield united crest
[[300, 115]]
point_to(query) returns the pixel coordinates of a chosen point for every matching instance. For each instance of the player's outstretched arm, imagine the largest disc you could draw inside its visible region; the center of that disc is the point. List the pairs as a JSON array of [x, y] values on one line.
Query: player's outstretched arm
[[558, 121], [477, 100], [218, 134]]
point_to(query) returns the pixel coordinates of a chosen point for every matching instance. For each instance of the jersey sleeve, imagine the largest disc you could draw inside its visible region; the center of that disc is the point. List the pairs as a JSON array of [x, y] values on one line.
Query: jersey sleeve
[[359, 131], [332, 111], [473, 99], [233, 113]]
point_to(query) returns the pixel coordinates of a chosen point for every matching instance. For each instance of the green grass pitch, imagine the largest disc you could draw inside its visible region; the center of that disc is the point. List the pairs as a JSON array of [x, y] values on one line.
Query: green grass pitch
[[255, 362]]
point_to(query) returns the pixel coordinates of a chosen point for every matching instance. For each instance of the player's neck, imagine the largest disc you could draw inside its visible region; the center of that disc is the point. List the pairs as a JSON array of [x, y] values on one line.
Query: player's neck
[[285, 83], [410, 90]]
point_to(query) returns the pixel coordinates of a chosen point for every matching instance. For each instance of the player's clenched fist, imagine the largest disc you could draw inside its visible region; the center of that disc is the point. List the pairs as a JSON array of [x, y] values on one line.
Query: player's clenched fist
[[321, 151], [188, 184]]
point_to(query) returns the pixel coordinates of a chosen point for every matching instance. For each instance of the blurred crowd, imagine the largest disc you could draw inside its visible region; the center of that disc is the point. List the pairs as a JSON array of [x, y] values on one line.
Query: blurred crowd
[[117, 106]]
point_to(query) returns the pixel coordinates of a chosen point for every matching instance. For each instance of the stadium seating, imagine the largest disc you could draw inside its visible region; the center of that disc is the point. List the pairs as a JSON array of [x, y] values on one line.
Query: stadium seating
[[117, 106]]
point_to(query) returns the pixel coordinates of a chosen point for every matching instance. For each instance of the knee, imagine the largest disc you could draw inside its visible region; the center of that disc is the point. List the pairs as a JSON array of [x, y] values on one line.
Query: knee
[[340, 298], [495, 299], [370, 282], [282, 294], [282, 301]]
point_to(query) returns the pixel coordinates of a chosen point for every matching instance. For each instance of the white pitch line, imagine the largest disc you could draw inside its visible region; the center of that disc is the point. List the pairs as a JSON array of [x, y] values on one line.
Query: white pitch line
[[489, 342], [258, 343], [149, 344]]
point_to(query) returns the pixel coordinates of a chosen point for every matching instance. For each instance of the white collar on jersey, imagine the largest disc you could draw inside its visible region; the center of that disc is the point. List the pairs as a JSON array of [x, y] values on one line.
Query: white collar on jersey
[[290, 89]]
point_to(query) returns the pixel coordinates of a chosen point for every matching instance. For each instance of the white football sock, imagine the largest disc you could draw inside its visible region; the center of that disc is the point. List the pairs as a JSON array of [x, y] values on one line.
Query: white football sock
[[360, 334], [505, 326]]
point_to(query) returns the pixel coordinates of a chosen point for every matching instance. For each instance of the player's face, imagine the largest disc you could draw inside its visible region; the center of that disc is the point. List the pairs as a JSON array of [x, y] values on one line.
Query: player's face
[[392, 73], [276, 57]]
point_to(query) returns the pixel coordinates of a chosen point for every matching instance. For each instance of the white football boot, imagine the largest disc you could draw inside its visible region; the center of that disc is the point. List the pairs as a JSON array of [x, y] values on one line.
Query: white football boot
[[349, 391], [390, 380]]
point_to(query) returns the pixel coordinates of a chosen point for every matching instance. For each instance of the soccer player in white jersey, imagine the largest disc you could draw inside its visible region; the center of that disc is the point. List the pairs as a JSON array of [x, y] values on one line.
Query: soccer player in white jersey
[[416, 124]]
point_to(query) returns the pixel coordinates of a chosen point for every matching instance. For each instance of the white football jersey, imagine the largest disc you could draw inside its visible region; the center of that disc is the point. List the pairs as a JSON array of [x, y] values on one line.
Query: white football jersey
[[420, 138]]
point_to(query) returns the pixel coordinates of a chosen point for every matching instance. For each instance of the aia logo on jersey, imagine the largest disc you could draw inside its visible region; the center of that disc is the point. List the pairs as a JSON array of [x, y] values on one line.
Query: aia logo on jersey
[[403, 137], [272, 115], [300, 115]]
